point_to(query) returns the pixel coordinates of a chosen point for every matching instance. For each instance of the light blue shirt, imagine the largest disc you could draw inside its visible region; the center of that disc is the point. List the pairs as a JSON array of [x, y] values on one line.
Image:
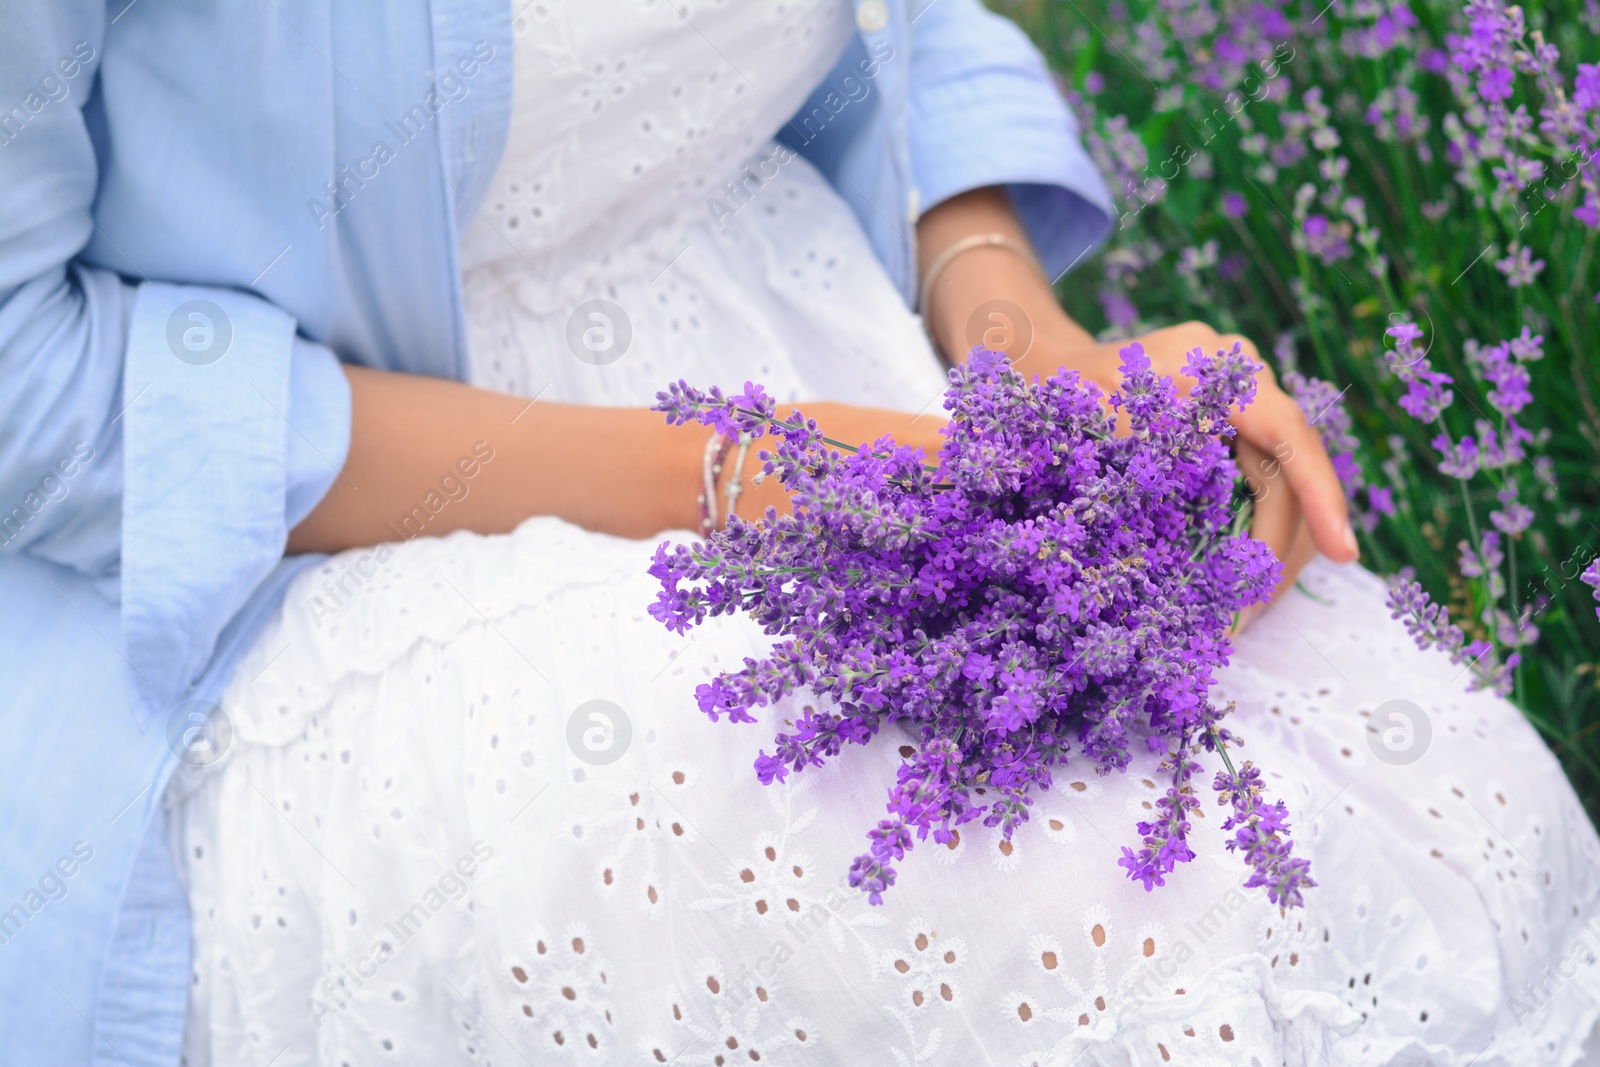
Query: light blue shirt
[[203, 209]]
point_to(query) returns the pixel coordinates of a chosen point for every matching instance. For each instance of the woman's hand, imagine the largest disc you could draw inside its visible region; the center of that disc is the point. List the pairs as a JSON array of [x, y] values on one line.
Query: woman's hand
[[1300, 508], [992, 295]]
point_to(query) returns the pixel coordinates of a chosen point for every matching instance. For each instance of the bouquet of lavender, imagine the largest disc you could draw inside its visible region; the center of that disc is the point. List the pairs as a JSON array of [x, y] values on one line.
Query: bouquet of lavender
[[1047, 584]]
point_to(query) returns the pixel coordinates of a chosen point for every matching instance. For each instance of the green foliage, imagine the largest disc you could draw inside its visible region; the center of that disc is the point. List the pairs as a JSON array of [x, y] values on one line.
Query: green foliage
[[1435, 230]]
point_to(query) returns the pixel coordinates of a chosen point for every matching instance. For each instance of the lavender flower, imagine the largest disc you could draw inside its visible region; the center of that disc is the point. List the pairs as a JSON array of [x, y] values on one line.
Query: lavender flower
[[1457, 459], [1426, 396], [1120, 312], [1324, 407], [1484, 562], [1501, 367], [1166, 837], [1519, 266], [1395, 115], [1381, 500], [1361, 113], [1513, 516], [1330, 240], [1047, 586], [1527, 348], [1430, 627], [1261, 832]]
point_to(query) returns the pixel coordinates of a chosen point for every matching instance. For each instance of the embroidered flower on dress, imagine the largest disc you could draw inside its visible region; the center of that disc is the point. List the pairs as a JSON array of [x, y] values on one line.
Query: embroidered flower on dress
[[561, 996]]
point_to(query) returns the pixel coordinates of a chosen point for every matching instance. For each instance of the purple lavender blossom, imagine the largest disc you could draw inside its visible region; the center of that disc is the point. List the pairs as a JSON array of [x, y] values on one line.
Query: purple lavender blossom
[[1430, 627], [1484, 562], [1381, 500], [1527, 348], [1519, 266], [1120, 311], [1457, 459], [1166, 838], [1508, 378], [1330, 240], [1324, 409], [1494, 132], [1047, 587], [1512, 516], [1591, 577], [1261, 832], [1426, 393]]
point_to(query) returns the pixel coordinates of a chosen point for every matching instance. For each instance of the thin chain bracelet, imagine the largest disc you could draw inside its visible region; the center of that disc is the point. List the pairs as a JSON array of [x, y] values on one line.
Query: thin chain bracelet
[[716, 454], [956, 248]]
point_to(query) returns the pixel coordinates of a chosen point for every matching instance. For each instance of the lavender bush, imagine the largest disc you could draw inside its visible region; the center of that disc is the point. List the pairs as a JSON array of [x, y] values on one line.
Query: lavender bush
[[1047, 587], [1401, 198]]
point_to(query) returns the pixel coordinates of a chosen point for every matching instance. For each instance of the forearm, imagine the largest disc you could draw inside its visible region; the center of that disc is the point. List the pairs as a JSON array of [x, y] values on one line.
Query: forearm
[[413, 441], [958, 311]]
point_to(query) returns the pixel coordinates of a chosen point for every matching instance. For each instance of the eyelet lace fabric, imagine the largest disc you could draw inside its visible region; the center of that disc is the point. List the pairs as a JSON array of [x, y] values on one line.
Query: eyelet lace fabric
[[471, 814], [641, 170], [666, 904]]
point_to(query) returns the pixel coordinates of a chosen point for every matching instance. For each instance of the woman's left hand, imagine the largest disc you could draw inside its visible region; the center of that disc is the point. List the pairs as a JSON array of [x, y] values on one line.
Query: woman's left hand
[[992, 295], [1300, 507]]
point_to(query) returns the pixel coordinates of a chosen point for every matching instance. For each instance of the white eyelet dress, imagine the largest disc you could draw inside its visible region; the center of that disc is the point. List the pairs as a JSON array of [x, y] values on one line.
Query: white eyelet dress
[[471, 814]]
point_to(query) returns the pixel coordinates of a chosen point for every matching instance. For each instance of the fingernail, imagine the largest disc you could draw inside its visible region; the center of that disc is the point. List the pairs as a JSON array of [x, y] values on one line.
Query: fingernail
[[1350, 540]]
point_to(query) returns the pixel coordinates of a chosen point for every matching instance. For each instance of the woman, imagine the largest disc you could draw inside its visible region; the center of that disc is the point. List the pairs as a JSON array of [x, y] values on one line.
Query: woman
[[459, 804]]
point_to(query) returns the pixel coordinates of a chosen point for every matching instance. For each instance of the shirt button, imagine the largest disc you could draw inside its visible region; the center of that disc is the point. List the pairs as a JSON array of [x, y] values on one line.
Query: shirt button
[[872, 16]]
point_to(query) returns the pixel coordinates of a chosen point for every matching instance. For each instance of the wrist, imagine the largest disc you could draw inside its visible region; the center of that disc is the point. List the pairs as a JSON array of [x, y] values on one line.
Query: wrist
[[994, 297]]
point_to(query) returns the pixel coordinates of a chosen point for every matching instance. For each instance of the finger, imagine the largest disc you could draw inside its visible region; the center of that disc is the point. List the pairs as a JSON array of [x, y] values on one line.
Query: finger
[[1288, 434], [1302, 550], [1276, 513], [1275, 424], [1274, 516]]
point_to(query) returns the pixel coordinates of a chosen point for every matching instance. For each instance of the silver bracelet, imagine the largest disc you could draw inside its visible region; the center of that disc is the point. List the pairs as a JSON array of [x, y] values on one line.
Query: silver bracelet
[[967, 244]]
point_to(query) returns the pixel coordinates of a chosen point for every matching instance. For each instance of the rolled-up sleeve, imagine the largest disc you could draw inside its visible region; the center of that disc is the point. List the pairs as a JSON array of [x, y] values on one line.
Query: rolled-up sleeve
[[157, 437], [983, 111]]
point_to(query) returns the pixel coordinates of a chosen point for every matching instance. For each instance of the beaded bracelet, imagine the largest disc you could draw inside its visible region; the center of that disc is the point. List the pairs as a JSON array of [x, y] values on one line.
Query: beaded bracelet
[[736, 483], [716, 454]]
